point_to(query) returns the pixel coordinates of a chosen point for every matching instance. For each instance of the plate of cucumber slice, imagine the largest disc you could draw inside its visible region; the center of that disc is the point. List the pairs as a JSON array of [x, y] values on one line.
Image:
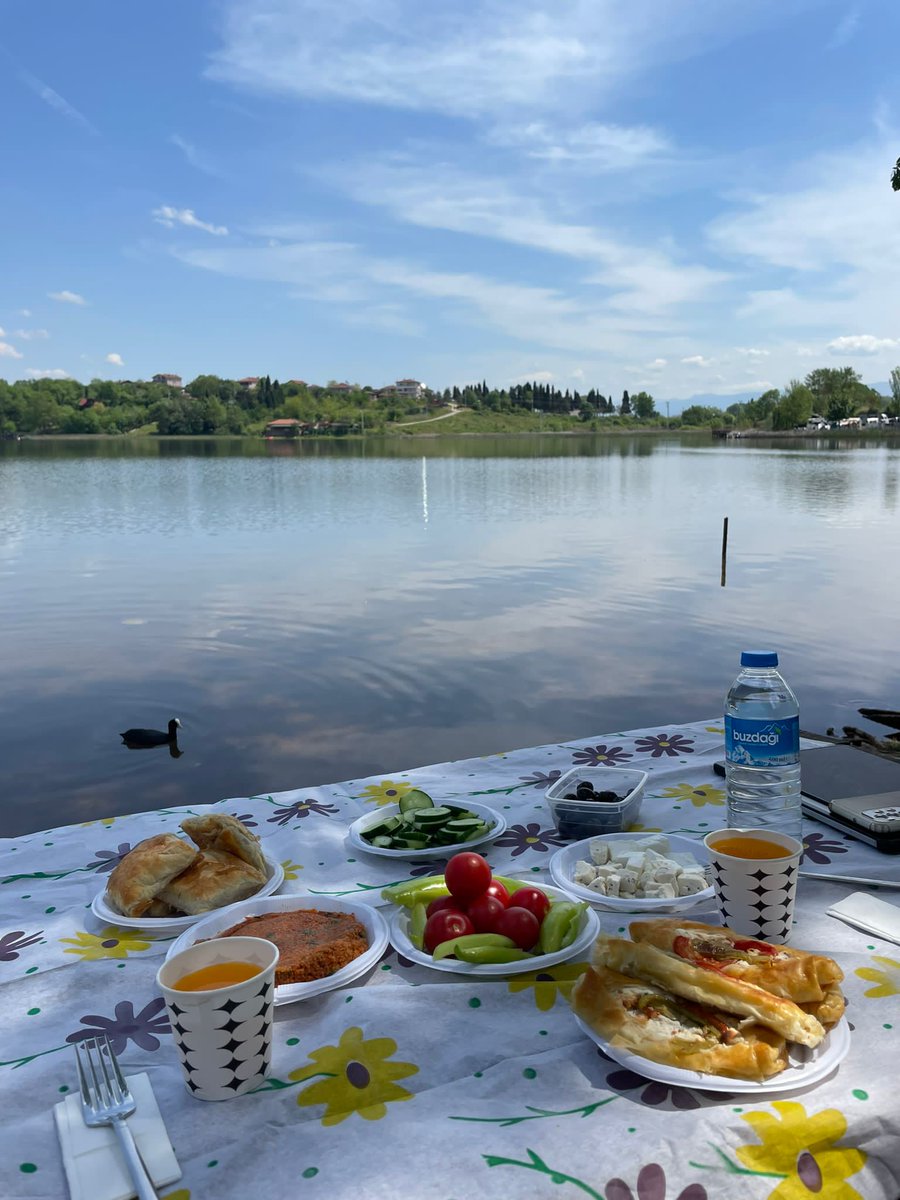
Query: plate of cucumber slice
[[422, 827]]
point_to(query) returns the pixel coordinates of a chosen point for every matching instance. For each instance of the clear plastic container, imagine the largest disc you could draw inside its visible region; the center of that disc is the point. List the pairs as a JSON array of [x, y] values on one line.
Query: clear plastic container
[[586, 818]]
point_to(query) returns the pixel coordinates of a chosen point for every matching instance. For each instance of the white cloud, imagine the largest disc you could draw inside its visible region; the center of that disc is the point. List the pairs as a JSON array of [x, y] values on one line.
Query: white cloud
[[169, 216], [657, 364], [195, 157], [861, 343], [57, 102], [640, 278], [51, 373], [31, 335], [67, 297], [8, 351], [751, 352], [115, 359], [845, 29], [24, 312], [606, 147], [471, 60], [697, 360]]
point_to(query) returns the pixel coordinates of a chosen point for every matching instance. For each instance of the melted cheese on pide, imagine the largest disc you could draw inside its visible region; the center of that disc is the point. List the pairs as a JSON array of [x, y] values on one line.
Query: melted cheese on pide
[[694, 936], [659, 1027]]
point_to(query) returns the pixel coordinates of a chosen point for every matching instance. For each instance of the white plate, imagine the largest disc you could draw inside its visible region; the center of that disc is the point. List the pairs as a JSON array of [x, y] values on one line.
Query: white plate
[[562, 867], [102, 908], [286, 993], [805, 1067], [590, 928], [367, 820]]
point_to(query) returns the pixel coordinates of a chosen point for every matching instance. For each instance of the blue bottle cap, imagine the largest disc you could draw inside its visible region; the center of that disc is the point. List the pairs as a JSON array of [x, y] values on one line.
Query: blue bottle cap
[[759, 658]]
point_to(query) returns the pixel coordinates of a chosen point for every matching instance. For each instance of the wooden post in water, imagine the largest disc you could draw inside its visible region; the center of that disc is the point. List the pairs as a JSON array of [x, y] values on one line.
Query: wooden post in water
[[724, 549]]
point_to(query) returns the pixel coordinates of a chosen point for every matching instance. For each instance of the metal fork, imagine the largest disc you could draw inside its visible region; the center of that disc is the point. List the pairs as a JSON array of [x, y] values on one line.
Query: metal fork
[[106, 1100]]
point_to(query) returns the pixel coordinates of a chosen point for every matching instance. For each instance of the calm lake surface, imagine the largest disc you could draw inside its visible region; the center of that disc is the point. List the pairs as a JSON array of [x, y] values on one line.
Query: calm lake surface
[[325, 611]]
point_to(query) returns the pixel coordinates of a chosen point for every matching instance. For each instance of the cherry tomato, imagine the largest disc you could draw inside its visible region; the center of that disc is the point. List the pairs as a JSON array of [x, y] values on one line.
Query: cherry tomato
[[483, 912], [443, 926], [534, 900], [495, 888], [519, 924], [443, 904], [467, 875]]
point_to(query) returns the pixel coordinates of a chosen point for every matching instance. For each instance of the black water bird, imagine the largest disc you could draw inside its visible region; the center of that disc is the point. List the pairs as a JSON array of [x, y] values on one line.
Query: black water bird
[[140, 739]]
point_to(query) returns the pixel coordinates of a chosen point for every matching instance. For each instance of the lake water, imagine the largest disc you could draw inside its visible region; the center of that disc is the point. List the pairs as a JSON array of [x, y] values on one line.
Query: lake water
[[325, 611]]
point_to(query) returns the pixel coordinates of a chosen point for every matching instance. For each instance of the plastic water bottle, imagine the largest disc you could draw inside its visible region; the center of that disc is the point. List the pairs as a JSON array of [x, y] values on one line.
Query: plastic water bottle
[[762, 748]]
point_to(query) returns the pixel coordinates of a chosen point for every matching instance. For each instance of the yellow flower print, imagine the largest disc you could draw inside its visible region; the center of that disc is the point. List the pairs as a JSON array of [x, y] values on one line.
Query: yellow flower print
[[386, 792], [291, 869], [357, 1077], [637, 827], [714, 728], [549, 983], [112, 943], [803, 1150], [181, 1194], [104, 821], [698, 796], [888, 980]]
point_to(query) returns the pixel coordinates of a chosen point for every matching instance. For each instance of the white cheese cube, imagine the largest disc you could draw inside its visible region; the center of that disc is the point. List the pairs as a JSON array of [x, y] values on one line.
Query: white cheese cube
[[666, 875], [599, 851], [659, 891], [598, 885], [612, 884], [584, 872], [635, 863], [628, 882], [690, 884]]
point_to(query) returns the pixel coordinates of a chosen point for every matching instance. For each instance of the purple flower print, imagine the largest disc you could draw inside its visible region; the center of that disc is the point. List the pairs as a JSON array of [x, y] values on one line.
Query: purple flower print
[[127, 1026], [651, 1185], [109, 858], [601, 756], [299, 809], [818, 847], [12, 943], [433, 866], [539, 780], [658, 744], [247, 819], [529, 837], [654, 1093]]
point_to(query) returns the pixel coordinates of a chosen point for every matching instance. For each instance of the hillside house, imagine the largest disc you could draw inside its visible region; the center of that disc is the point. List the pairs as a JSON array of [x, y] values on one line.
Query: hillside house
[[249, 382], [172, 381], [285, 427]]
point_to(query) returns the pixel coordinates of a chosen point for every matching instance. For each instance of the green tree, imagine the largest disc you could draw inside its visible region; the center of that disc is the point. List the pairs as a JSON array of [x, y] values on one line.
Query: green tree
[[644, 406], [893, 407], [702, 414], [625, 406], [838, 392], [794, 408]]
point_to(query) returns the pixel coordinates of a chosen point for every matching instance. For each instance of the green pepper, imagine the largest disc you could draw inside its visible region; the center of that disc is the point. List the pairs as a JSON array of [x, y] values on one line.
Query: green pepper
[[417, 920], [554, 926], [571, 931], [470, 941], [491, 954], [416, 891]]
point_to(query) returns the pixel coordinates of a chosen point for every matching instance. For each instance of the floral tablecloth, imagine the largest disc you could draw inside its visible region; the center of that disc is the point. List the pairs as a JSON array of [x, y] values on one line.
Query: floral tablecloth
[[417, 1083]]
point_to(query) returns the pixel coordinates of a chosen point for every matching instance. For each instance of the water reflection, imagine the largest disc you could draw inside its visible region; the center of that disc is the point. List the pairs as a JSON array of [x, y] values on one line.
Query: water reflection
[[347, 609]]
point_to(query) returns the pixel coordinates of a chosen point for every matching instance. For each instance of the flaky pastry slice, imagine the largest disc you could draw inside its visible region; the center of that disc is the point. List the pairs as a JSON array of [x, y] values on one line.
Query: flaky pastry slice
[[651, 1021], [213, 880], [795, 974], [137, 880], [644, 961], [220, 831]]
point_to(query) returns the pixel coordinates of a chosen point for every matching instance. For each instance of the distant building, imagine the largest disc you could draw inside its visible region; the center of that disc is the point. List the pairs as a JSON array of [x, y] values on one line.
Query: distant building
[[249, 383], [411, 388], [816, 422], [172, 381], [285, 427]]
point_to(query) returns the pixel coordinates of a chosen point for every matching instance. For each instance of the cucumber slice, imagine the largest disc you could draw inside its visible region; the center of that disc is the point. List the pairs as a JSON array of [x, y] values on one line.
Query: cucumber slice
[[464, 825], [425, 818], [409, 843], [415, 798], [385, 842]]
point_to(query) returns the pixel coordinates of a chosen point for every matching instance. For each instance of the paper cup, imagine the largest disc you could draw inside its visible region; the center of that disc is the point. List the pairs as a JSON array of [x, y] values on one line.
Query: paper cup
[[223, 1036], [756, 895]]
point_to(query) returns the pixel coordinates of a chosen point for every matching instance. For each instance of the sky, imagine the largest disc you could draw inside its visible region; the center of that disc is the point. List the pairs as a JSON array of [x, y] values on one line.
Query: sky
[[688, 198]]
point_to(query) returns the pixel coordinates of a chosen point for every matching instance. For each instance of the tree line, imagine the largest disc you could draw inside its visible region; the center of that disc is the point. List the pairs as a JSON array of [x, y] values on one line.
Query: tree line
[[213, 405]]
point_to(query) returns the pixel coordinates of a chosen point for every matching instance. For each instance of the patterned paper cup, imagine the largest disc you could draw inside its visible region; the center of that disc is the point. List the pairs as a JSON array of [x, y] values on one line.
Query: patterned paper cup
[[756, 895], [223, 1036]]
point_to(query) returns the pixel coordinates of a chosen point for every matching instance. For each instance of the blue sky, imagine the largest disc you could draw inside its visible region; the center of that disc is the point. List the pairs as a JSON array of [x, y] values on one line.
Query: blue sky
[[689, 197]]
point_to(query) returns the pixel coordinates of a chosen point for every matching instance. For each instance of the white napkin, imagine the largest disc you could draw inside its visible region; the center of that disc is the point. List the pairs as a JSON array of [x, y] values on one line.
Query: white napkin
[[868, 913], [95, 1167]]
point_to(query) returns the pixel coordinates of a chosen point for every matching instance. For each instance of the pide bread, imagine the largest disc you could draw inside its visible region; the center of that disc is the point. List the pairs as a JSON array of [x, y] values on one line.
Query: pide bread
[[794, 974], [713, 989], [143, 873], [653, 1022], [165, 876]]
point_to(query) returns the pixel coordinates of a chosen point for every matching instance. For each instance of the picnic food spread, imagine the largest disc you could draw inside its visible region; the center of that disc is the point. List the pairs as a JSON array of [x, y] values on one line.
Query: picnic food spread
[[167, 876], [671, 998], [421, 824], [312, 943]]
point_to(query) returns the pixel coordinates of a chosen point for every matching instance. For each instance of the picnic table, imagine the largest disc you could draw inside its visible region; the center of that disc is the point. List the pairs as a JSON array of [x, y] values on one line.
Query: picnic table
[[416, 1083]]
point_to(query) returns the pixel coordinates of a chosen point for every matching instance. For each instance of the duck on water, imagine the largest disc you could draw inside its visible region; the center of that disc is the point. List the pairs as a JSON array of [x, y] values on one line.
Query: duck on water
[[138, 739]]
